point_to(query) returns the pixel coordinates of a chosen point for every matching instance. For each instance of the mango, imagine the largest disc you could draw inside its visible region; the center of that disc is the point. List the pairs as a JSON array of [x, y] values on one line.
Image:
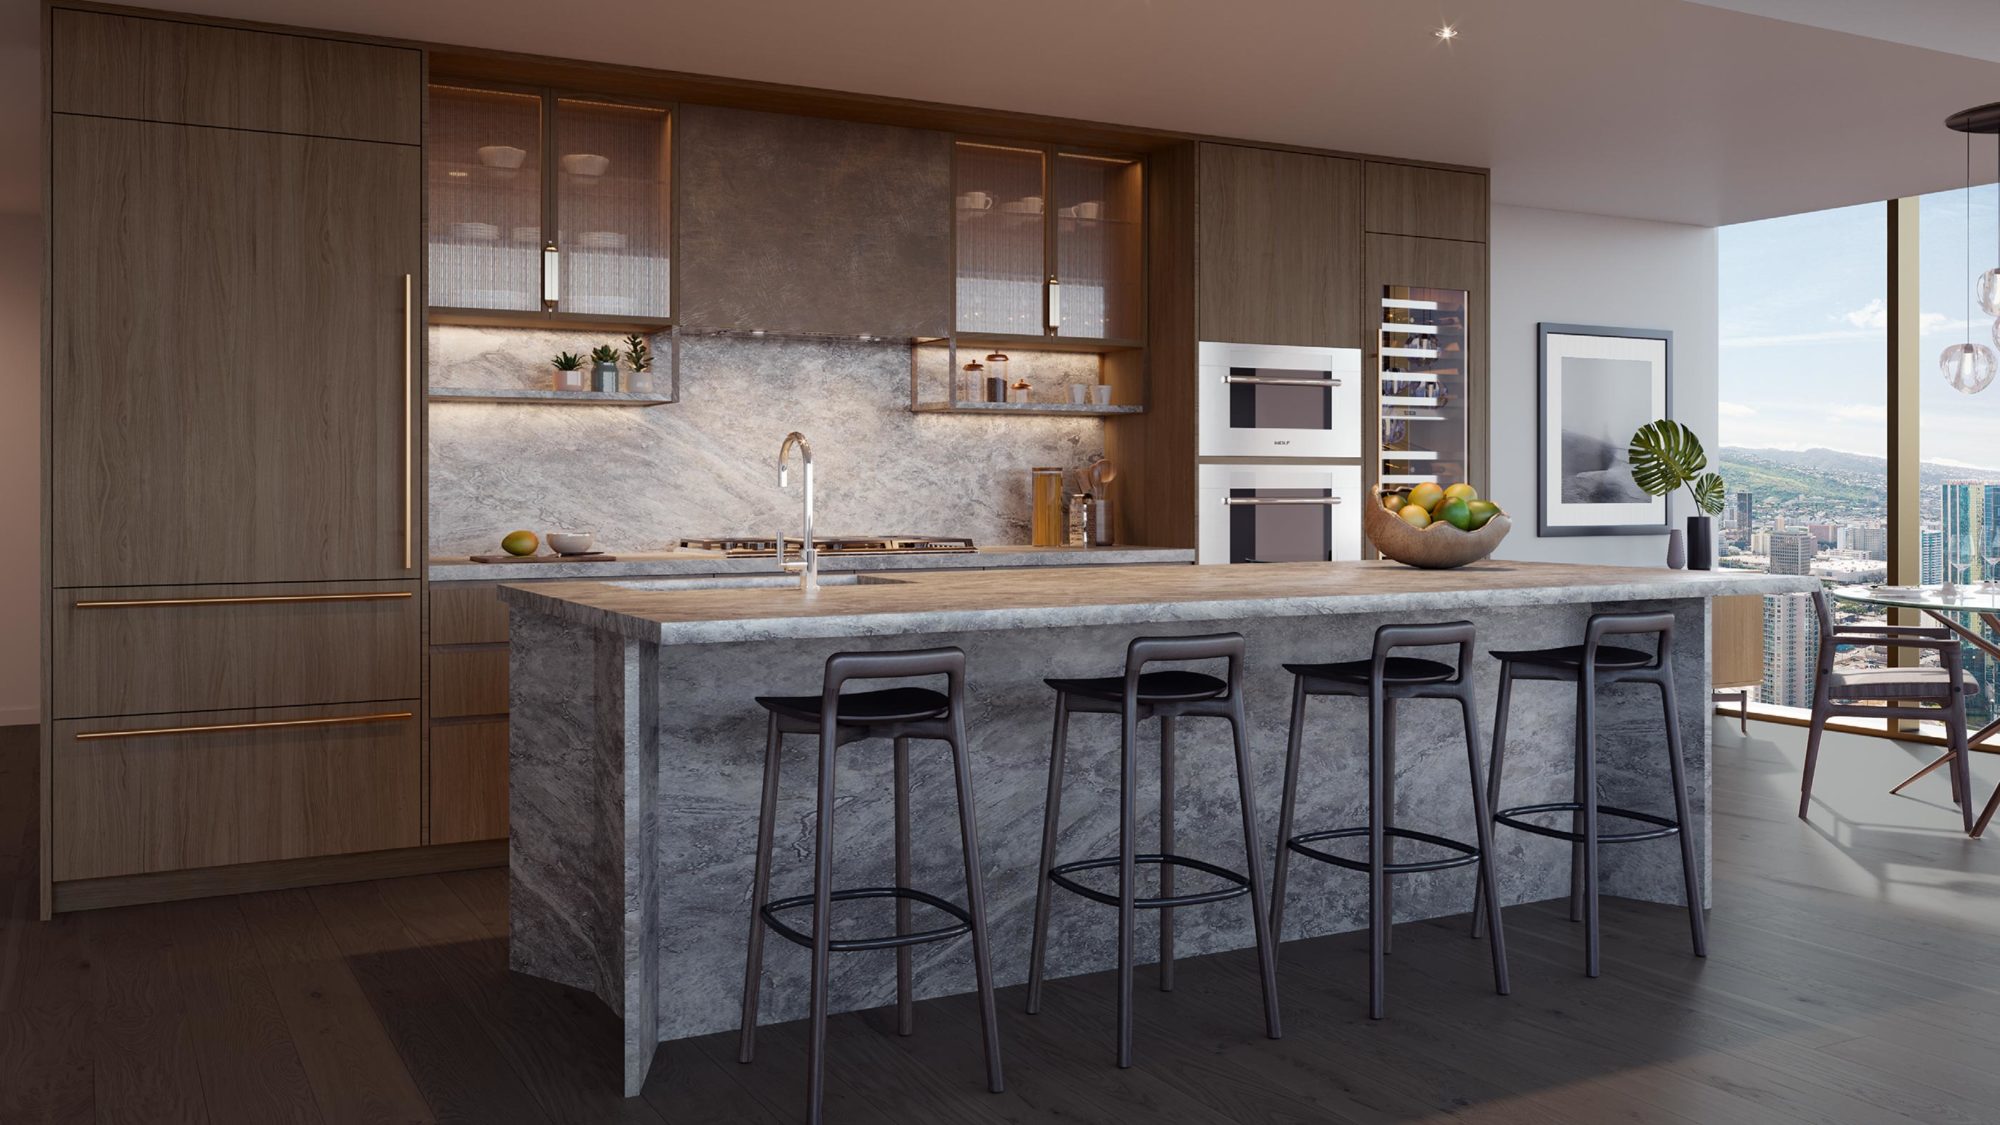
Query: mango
[[1457, 513], [1415, 515], [1427, 496], [520, 543], [1481, 511], [1461, 491]]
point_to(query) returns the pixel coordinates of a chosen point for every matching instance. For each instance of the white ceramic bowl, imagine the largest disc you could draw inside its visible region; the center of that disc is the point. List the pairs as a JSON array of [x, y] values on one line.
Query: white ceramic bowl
[[570, 542], [585, 164], [501, 156]]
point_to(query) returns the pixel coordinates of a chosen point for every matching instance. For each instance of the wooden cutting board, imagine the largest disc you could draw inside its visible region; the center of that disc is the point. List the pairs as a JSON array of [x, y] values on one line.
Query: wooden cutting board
[[594, 556]]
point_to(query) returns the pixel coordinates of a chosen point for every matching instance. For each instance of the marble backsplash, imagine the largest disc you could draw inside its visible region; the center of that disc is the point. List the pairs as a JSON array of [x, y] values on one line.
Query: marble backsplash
[[707, 465]]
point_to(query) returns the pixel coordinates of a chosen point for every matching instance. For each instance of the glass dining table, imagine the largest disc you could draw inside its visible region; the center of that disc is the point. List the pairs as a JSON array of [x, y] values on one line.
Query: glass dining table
[[1955, 608]]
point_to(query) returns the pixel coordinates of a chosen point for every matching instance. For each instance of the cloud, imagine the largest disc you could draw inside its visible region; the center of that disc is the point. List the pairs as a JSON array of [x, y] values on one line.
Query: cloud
[[1734, 410], [1874, 314], [1860, 412]]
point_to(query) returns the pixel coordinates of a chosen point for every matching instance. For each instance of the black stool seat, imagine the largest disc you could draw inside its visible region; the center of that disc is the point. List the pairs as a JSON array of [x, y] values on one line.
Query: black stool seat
[[1395, 670], [962, 921], [888, 705], [1571, 657], [1175, 685]]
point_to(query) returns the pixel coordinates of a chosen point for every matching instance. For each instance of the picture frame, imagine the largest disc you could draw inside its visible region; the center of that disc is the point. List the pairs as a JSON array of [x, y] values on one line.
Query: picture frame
[[1595, 387]]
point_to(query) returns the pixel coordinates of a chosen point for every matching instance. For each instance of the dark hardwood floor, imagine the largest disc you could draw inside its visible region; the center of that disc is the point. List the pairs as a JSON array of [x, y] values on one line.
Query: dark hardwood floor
[[1854, 977]]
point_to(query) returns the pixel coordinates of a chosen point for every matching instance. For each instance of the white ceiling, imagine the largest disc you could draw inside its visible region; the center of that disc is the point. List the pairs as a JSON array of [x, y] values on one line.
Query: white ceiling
[[1690, 112]]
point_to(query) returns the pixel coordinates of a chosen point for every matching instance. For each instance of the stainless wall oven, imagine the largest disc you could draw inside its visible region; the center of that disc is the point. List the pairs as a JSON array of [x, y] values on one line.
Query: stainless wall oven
[[1278, 513], [1273, 400]]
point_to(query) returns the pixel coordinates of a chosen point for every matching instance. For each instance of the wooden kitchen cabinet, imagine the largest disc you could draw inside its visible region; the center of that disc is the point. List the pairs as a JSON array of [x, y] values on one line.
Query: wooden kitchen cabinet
[[469, 781], [1049, 244], [548, 208], [468, 713], [1279, 247], [1425, 202], [234, 347]]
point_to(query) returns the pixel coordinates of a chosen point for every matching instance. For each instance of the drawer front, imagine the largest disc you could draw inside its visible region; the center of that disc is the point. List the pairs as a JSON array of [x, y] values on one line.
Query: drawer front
[[168, 792], [467, 613], [470, 681], [468, 781], [147, 650], [110, 65]]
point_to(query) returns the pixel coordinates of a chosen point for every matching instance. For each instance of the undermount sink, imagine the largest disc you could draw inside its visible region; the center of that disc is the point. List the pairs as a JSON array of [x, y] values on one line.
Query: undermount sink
[[744, 582]]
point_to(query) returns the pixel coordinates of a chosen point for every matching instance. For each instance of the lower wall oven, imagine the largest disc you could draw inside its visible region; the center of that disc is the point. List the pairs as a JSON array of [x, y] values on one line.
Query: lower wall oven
[[1278, 513]]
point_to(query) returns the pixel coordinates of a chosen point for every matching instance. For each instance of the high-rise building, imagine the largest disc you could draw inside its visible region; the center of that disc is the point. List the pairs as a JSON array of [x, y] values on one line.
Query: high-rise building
[[1740, 510], [1791, 647], [1967, 506], [1930, 556], [1792, 551], [1865, 540]]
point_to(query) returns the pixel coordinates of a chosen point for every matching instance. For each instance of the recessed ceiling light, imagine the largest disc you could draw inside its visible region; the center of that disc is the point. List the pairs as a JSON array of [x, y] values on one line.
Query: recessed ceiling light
[[1446, 33]]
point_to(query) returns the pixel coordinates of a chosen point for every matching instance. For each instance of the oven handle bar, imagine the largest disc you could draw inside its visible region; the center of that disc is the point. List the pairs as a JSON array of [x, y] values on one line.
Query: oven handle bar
[[1275, 381], [1323, 501]]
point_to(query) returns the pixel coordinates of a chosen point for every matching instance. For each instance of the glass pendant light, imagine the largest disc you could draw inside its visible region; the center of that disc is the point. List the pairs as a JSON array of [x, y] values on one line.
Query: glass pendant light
[[1970, 367]]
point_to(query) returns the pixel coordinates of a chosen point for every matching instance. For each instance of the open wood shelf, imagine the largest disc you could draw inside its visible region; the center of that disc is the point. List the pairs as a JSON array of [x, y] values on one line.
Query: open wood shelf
[[1086, 409], [549, 397]]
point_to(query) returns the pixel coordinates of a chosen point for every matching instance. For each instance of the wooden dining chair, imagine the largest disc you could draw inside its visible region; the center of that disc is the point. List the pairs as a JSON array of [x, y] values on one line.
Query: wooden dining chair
[[1892, 693]]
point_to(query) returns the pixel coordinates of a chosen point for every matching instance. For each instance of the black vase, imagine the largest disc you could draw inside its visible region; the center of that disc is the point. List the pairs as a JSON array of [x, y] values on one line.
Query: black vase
[[1701, 543]]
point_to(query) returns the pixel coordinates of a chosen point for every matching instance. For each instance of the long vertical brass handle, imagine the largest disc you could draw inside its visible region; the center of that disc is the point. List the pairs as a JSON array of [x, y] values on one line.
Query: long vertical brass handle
[[409, 432]]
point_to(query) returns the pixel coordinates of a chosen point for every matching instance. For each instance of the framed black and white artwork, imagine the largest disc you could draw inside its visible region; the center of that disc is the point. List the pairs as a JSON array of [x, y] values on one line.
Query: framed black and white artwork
[[1598, 385]]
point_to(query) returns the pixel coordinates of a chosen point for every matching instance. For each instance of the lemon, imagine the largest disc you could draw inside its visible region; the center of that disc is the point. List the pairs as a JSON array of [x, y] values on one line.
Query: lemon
[[1427, 496], [1481, 511], [1461, 491], [1414, 515], [1457, 513], [520, 543]]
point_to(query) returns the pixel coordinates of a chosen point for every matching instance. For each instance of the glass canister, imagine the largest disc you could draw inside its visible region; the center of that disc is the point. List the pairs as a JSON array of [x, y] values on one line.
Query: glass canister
[[1050, 522], [973, 386], [997, 383]]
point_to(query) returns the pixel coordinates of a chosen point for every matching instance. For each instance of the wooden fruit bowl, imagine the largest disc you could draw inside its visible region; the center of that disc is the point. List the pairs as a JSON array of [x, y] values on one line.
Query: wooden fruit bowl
[[1437, 547]]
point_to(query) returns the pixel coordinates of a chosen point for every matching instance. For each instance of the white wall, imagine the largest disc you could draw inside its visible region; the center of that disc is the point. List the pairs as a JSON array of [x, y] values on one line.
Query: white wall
[[1568, 268], [20, 467]]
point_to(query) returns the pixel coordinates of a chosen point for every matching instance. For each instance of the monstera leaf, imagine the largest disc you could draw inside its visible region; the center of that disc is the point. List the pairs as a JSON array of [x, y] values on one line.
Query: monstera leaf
[[1666, 455]]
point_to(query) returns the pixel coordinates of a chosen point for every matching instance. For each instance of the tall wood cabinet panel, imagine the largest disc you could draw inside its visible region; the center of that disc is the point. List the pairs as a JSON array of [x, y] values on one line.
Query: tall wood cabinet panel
[[109, 65], [232, 334], [1279, 247], [1425, 202], [1437, 264]]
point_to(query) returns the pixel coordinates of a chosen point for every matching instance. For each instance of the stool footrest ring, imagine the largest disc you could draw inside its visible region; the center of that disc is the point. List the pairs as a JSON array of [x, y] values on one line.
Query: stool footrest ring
[[962, 926], [1663, 826], [1463, 854], [1239, 885]]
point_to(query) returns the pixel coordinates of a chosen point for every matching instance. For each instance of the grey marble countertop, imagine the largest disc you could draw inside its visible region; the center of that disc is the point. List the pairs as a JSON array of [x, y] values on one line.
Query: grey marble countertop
[[670, 563], [972, 600]]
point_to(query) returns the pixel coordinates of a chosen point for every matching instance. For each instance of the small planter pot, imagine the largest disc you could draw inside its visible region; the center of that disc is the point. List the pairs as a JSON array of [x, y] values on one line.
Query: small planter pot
[[1701, 543], [604, 376], [640, 382], [570, 380]]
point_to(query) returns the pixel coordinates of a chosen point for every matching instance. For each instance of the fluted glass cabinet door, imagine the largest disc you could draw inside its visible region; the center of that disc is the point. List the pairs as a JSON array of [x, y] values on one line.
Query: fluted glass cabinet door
[[998, 207], [612, 215], [1099, 253], [484, 169]]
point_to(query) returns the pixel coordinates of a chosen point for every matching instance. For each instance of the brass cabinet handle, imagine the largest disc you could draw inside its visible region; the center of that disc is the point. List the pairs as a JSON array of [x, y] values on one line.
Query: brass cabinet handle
[[244, 599], [332, 721], [409, 428]]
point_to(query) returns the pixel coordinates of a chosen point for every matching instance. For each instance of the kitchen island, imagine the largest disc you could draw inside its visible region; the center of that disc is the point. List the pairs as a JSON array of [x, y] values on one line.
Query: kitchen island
[[636, 759]]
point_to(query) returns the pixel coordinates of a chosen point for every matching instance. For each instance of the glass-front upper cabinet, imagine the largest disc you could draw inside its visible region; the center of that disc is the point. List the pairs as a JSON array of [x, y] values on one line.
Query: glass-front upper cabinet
[[1048, 243], [1424, 372], [546, 206]]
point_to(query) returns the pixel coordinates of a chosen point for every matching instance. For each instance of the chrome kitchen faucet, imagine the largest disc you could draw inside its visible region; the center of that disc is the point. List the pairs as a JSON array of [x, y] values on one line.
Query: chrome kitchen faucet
[[808, 564]]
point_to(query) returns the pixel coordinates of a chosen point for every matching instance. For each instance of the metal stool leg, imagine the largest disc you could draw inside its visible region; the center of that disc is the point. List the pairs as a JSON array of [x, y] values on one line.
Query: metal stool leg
[[1051, 820], [906, 1008], [822, 928], [1166, 848], [1482, 823], [760, 892], [1585, 798], [1378, 879], [1253, 852], [975, 895], [1287, 803], [1677, 768], [1586, 786], [1483, 901], [1388, 820], [1128, 877]]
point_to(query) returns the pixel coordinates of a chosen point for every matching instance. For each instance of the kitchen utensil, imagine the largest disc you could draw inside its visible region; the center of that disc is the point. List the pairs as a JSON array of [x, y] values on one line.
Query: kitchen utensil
[[975, 201], [570, 542], [1100, 473], [501, 156], [585, 164], [1097, 520], [1094, 209]]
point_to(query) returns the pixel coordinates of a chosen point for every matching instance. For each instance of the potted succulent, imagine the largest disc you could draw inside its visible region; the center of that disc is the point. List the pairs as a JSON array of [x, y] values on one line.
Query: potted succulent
[[639, 357], [1665, 456], [569, 371], [604, 368]]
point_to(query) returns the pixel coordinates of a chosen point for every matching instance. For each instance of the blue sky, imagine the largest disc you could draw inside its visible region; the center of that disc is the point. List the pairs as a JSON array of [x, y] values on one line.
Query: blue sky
[[1803, 319]]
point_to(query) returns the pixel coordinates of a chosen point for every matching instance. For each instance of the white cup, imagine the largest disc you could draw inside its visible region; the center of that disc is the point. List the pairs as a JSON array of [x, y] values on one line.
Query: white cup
[[1102, 393], [1091, 210], [975, 201], [1079, 393]]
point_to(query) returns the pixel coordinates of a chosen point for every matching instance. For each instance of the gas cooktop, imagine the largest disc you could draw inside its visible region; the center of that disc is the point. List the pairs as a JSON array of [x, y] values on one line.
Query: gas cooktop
[[754, 547]]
